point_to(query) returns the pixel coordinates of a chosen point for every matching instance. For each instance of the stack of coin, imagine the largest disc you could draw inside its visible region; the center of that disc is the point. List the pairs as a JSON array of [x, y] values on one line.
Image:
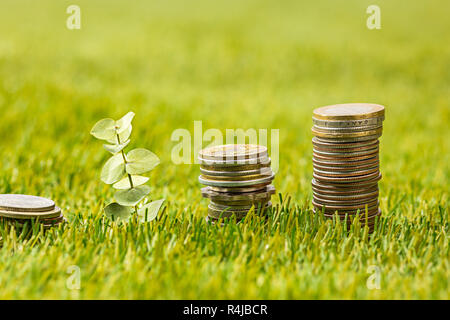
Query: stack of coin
[[237, 177], [19, 210], [346, 161]]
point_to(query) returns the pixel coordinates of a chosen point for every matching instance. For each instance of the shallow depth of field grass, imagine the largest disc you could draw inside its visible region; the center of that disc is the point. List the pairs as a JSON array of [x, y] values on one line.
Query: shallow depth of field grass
[[231, 64]]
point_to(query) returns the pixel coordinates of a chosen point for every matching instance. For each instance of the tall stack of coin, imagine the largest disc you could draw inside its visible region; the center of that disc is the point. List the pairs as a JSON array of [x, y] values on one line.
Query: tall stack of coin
[[237, 177], [346, 161], [18, 210]]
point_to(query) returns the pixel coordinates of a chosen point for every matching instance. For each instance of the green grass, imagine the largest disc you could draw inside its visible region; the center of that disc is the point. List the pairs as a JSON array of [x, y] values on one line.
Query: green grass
[[231, 64]]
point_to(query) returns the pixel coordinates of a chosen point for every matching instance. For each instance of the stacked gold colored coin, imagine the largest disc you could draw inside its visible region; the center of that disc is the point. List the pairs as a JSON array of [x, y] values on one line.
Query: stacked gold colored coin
[[346, 161], [18, 210], [237, 178]]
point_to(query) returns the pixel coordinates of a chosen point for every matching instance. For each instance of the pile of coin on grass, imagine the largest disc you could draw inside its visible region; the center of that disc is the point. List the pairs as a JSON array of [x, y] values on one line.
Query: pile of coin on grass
[[237, 178], [20, 210], [346, 161]]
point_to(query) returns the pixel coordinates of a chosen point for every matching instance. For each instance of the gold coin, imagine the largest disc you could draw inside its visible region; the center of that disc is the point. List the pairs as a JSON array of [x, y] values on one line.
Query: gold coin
[[349, 111], [346, 130], [233, 152], [348, 140], [348, 135], [344, 180]]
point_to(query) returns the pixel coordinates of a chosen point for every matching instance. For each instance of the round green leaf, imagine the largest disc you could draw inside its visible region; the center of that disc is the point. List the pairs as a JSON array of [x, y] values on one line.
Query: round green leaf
[[116, 148], [104, 129], [150, 210], [116, 212], [125, 182], [124, 123], [132, 197], [113, 170], [141, 161]]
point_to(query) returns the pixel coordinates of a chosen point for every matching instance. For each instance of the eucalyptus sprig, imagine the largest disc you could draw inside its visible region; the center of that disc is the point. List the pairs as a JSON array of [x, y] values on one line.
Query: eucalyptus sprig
[[124, 171]]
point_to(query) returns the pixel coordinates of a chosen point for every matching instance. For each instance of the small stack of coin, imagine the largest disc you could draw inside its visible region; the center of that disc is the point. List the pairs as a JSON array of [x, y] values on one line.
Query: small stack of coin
[[346, 161], [18, 210], [237, 178]]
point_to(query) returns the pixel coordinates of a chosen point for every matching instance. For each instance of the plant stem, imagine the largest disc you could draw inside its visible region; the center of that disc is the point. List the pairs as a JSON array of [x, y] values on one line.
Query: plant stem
[[129, 175]]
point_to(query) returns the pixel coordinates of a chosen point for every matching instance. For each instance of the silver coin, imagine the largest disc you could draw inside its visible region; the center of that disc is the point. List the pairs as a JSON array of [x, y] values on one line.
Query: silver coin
[[343, 169], [346, 130], [348, 139], [238, 162], [346, 202], [349, 111], [355, 179], [344, 145], [239, 190], [344, 192], [233, 152], [344, 174], [345, 186], [218, 183], [237, 169], [44, 221], [247, 196], [262, 171], [237, 178], [30, 215], [346, 158], [346, 135], [346, 154], [345, 162], [25, 203], [348, 123]]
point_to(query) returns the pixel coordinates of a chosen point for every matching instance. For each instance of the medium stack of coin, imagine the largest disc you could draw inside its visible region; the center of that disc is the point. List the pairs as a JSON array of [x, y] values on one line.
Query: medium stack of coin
[[237, 177], [18, 210], [346, 161]]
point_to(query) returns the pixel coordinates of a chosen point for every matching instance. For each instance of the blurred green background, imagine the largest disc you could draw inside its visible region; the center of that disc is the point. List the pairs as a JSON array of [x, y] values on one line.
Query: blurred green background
[[231, 64]]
